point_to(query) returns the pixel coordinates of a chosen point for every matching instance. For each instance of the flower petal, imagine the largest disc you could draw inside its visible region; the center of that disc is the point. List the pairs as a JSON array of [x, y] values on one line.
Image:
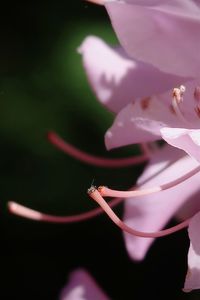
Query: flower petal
[[152, 212], [185, 139], [81, 286], [117, 79], [140, 121], [192, 280], [189, 208], [162, 33]]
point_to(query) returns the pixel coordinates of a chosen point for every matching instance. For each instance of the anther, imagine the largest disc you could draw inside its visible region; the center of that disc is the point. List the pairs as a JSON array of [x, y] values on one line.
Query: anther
[[92, 189], [176, 100], [100, 189], [178, 93]]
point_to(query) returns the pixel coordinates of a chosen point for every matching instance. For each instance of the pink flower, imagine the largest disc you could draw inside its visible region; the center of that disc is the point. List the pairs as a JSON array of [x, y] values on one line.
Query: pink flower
[[146, 213], [136, 82], [160, 46], [81, 286]]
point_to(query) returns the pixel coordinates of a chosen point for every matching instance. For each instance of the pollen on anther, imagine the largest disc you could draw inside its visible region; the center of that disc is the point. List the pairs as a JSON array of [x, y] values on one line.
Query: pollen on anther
[[182, 89], [91, 190]]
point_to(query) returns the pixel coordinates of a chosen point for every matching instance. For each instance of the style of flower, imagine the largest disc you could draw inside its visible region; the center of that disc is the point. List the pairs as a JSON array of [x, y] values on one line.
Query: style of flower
[[81, 286], [152, 85]]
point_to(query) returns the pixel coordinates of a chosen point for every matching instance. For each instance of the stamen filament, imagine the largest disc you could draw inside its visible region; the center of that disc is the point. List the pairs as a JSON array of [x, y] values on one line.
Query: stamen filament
[[106, 192], [25, 212], [95, 195], [95, 160]]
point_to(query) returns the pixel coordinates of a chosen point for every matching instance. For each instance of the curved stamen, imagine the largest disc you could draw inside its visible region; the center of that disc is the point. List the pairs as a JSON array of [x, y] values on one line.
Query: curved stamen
[[95, 195], [106, 192], [95, 160], [25, 212]]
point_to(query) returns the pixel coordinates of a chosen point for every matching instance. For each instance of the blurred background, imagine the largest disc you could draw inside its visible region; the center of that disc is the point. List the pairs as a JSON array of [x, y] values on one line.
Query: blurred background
[[43, 87]]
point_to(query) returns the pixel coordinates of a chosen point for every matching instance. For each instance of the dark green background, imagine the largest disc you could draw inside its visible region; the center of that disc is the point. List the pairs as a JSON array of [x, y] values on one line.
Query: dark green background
[[43, 87]]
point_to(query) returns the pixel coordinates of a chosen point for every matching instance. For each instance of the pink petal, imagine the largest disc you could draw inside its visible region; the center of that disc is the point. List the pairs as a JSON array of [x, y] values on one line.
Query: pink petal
[[140, 121], [81, 286], [192, 280], [152, 212], [185, 139], [162, 33], [143, 120], [189, 208], [116, 79]]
